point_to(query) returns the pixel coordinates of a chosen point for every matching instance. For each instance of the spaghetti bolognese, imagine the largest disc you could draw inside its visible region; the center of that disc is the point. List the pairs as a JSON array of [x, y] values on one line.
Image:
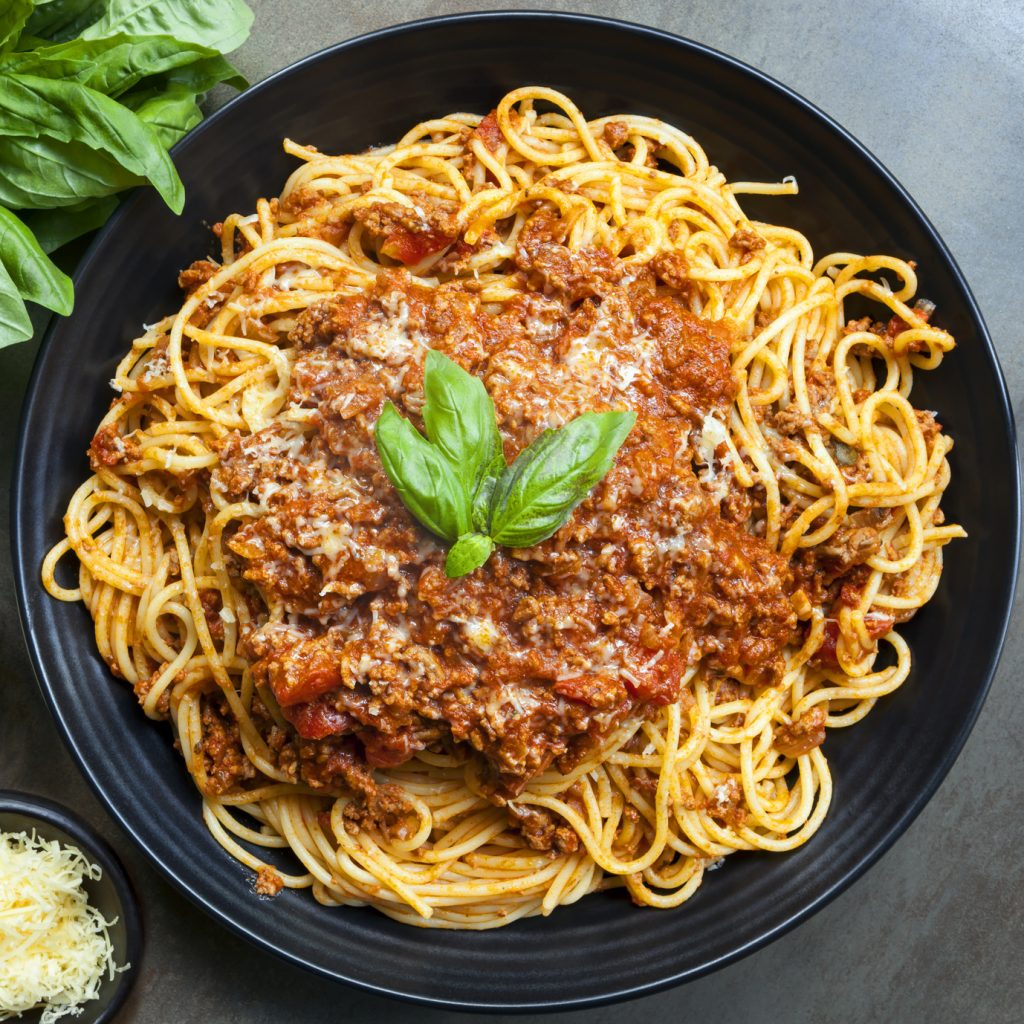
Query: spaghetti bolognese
[[625, 703]]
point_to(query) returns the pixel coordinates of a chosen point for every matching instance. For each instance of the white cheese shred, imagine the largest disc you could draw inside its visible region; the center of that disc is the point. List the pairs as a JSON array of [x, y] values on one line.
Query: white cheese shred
[[54, 946]]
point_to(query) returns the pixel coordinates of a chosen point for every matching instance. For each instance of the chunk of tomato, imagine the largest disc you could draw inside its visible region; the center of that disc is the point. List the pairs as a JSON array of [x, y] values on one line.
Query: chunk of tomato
[[317, 719], [659, 684], [412, 247]]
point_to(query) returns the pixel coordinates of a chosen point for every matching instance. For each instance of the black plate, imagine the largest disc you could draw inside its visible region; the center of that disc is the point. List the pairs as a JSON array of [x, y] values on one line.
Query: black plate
[[111, 894], [370, 91]]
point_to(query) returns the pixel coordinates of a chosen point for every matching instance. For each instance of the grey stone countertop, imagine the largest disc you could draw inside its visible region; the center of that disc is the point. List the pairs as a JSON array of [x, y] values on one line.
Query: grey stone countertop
[[935, 930]]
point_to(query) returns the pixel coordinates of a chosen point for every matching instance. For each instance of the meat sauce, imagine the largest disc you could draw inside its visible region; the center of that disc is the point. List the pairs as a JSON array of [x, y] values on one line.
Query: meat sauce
[[533, 658]]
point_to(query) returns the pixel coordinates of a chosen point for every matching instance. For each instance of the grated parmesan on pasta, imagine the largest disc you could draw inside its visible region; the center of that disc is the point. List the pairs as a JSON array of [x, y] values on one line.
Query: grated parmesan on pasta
[[54, 946]]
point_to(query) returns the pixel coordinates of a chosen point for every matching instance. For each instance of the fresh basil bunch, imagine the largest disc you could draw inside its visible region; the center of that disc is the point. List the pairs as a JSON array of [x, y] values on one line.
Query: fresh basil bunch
[[455, 480], [92, 95]]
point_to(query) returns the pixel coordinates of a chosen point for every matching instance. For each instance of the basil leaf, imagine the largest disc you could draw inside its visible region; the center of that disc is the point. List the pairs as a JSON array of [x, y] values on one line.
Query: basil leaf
[[460, 420], [35, 106], [54, 228], [27, 42], [13, 16], [171, 114], [114, 65], [62, 19], [168, 102], [31, 270], [15, 324], [535, 496], [426, 482], [198, 77], [220, 24], [43, 173], [67, 144], [468, 553], [29, 63], [482, 497]]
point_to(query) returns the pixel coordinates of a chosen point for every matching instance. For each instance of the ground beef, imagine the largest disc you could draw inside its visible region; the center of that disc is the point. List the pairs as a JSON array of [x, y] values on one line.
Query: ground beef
[[747, 242], [542, 829], [615, 133], [221, 747], [803, 735], [488, 132], [268, 881], [553, 267], [143, 687], [725, 804], [672, 268], [197, 274], [410, 234], [858, 538], [212, 604], [425, 216], [930, 426], [301, 201], [791, 421], [109, 448], [383, 809]]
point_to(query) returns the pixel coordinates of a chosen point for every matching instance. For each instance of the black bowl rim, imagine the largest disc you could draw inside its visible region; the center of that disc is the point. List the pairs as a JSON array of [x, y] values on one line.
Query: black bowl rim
[[49, 812], [26, 576]]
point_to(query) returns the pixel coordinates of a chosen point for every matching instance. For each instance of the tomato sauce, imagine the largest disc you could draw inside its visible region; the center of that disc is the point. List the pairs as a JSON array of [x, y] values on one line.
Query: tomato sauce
[[534, 657]]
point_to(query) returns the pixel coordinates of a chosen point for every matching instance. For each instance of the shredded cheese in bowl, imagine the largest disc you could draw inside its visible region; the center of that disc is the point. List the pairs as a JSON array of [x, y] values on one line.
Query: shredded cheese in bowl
[[54, 946]]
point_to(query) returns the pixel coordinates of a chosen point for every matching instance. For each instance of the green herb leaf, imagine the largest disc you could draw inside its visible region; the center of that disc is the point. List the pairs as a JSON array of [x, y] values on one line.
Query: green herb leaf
[[39, 174], [199, 77], [54, 228], [171, 114], [459, 476], [36, 106], [115, 64], [15, 324], [220, 24], [62, 19], [482, 497], [13, 16], [67, 144], [27, 42], [535, 496], [460, 420], [425, 480], [468, 553], [31, 270]]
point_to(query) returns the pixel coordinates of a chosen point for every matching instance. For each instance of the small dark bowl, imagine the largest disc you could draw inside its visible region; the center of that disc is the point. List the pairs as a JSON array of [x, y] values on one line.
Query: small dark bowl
[[112, 894]]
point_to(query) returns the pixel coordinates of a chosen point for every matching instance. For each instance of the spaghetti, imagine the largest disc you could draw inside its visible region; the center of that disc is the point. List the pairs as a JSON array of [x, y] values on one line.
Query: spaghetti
[[630, 701]]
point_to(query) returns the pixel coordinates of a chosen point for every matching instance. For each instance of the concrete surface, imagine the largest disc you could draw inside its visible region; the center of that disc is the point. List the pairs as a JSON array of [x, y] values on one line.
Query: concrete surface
[[936, 930]]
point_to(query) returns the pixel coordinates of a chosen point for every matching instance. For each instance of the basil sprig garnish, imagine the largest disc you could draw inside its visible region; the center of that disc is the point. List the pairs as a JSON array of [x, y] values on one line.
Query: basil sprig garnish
[[455, 480]]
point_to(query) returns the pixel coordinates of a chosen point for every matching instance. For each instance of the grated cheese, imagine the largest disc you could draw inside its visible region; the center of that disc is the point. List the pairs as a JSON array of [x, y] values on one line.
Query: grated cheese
[[54, 946], [714, 433], [481, 632], [293, 276], [391, 339], [607, 362]]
